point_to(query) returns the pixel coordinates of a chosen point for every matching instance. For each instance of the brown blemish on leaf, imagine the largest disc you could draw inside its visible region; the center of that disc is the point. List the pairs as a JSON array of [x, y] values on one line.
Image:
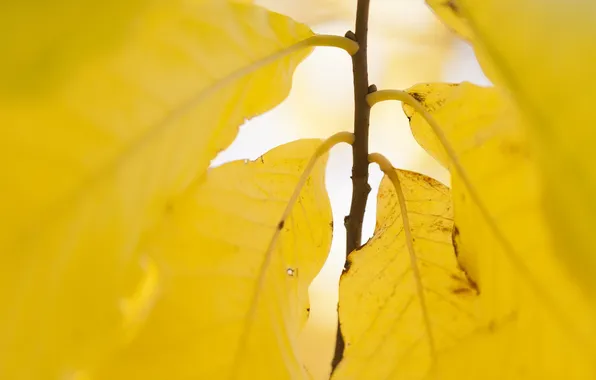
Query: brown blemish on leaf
[[331, 224], [463, 290], [472, 283], [451, 4], [467, 284], [456, 248], [492, 326], [280, 225], [418, 96], [454, 238], [419, 177], [514, 148]]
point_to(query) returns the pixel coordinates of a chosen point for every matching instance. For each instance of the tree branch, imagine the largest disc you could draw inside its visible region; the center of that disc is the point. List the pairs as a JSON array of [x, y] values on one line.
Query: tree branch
[[360, 186]]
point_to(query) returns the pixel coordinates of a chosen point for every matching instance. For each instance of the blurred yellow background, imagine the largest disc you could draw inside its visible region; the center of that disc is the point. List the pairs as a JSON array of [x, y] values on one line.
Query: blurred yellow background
[[407, 45]]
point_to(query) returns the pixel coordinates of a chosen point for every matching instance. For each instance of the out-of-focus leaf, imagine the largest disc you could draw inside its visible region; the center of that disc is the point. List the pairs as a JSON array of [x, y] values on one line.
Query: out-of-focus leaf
[[448, 12], [538, 324], [544, 55], [44, 42], [310, 11], [90, 165], [391, 332], [233, 296]]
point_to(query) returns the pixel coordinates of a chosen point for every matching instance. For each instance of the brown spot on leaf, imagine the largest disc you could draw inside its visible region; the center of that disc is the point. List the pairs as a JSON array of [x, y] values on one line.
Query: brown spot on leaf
[[492, 326], [472, 283], [451, 4], [280, 225], [514, 148], [462, 290], [467, 284], [454, 240], [418, 96]]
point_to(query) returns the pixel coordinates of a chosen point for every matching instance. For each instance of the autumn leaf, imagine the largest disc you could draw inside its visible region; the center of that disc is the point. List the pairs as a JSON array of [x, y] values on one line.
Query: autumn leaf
[[538, 321], [471, 116], [448, 12], [398, 312], [235, 276], [43, 42], [559, 122], [91, 163]]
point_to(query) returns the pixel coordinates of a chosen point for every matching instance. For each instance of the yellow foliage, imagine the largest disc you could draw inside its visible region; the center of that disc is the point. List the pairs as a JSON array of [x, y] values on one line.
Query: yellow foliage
[[125, 257], [545, 58], [481, 127], [91, 163], [393, 331], [44, 41], [448, 12], [537, 322], [233, 296]]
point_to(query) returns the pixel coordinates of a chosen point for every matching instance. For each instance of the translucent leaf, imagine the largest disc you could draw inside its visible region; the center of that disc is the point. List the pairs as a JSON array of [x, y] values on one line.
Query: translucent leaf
[[90, 165], [448, 13], [482, 128], [537, 321], [545, 57], [309, 11], [392, 331], [233, 296], [43, 41]]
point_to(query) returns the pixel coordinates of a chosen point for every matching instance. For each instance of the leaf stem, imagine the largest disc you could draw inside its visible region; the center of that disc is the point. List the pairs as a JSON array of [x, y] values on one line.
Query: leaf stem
[[350, 46], [360, 186], [390, 172]]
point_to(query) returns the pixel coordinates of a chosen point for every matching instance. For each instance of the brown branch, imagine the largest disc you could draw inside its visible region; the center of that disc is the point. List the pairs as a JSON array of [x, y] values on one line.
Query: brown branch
[[360, 186]]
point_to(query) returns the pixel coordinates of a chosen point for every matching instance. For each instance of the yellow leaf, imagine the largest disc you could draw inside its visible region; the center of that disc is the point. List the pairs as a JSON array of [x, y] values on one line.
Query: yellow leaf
[[233, 297], [545, 57], [471, 117], [90, 165], [448, 12], [538, 324], [393, 329], [43, 41]]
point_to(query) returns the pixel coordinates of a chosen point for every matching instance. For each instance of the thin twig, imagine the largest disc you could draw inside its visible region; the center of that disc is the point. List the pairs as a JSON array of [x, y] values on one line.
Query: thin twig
[[360, 186]]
